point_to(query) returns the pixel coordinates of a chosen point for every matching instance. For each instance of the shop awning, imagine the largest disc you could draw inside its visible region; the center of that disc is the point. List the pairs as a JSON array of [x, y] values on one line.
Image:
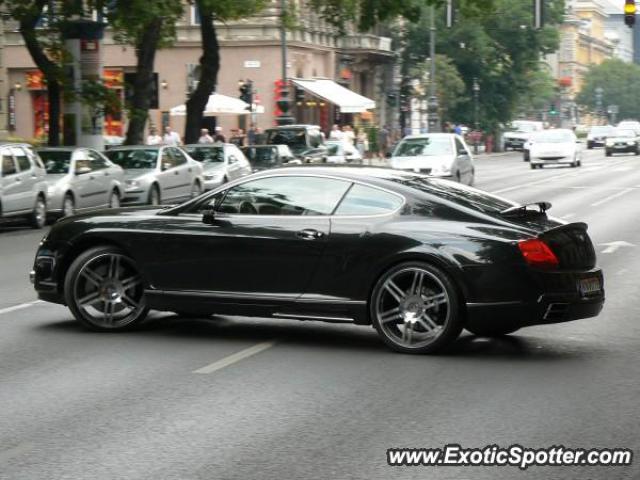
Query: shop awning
[[347, 100], [219, 105]]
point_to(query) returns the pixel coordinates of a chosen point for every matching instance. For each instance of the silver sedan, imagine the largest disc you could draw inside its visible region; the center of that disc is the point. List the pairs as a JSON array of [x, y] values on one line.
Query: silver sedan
[[221, 163], [80, 179], [155, 174]]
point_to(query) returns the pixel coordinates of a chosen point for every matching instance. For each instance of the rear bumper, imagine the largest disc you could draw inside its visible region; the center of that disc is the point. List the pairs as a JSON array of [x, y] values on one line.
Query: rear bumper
[[557, 300]]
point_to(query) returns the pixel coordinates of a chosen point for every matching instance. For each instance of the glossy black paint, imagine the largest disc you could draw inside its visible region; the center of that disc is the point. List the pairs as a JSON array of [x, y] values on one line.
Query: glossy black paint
[[263, 265]]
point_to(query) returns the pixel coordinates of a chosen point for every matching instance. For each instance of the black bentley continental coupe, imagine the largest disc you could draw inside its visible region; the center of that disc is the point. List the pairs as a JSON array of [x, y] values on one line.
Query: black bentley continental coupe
[[418, 258]]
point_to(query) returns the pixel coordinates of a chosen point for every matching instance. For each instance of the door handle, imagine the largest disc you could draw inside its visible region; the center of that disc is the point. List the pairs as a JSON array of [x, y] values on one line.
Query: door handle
[[309, 234]]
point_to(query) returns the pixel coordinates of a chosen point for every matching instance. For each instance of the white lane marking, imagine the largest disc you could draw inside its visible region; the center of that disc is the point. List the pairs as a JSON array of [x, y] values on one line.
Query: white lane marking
[[613, 246], [19, 307], [612, 197], [235, 357], [531, 184]]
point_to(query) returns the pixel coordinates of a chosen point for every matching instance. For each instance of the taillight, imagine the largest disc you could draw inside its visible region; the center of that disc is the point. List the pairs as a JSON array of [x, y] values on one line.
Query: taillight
[[537, 253]]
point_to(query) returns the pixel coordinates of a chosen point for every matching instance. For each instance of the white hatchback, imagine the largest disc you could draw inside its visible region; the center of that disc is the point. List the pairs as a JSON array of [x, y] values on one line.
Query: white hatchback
[[443, 155], [555, 147]]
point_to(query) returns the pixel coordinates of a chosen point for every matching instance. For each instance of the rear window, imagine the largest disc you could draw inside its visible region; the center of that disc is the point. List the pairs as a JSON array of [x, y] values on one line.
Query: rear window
[[206, 154], [457, 193], [56, 162], [134, 158]]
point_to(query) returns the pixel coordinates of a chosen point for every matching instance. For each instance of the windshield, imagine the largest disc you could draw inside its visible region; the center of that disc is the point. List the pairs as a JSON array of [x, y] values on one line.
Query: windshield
[[625, 133], [554, 136], [56, 162], [296, 139], [427, 146], [134, 158], [206, 154]]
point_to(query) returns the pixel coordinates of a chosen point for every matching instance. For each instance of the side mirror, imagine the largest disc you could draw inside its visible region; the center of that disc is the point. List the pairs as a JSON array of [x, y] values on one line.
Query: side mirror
[[209, 215], [82, 170]]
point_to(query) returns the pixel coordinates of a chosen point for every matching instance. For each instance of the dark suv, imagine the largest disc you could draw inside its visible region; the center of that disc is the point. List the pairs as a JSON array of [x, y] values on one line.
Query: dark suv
[[305, 141]]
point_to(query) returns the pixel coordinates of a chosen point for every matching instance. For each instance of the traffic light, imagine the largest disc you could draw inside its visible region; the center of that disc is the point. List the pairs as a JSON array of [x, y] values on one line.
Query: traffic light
[[630, 13], [552, 109]]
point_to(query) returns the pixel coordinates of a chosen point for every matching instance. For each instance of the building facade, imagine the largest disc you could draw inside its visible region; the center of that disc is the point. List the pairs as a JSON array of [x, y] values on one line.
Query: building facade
[[250, 50]]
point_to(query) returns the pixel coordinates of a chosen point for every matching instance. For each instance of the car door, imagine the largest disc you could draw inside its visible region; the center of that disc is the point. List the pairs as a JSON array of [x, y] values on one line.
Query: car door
[[88, 190], [463, 158], [12, 192], [169, 175], [26, 179], [232, 162], [187, 172], [244, 167], [102, 176], [265, 242]]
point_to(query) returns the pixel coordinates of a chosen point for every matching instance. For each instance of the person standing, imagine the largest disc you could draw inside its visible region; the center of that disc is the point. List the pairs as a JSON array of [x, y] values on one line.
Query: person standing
[[204, 136], [170, 137], [154, 138], [219, 136], [349, 135], [362, 143], [336, 133]]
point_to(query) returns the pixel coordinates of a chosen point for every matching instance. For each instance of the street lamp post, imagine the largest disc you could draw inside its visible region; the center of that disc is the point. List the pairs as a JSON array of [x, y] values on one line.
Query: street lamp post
[[284, 104], [599, 94], [432, 102], [476, 115]]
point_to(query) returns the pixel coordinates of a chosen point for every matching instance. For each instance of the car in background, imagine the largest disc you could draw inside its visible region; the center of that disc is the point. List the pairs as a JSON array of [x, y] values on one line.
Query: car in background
[[264, 157], [520, 132], [630, 125], [343, 152], [23, 185], [622, 141], [444, 155], [220, 163], [111, 141], [306, 142], [155, 174], [598, 135], [555, 147], [80, 179]]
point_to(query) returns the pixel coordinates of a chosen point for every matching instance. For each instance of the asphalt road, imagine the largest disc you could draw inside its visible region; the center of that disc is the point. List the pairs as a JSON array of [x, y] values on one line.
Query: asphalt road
[[312, 400]]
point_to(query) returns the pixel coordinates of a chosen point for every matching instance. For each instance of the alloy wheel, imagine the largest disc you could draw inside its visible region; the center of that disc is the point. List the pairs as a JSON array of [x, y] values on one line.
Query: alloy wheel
[[39, 215], [114, 201], [412, 308], [68, 206], [154, 196], [196, 190], [108, 291]]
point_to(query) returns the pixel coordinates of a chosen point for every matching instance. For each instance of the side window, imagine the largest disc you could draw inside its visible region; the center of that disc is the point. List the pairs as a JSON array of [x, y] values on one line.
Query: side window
[[98, 161], [460, 148], [167, 159], [8, 164], [315, 139], [21, 158], [179, 158], [363, 200], [285, 196]]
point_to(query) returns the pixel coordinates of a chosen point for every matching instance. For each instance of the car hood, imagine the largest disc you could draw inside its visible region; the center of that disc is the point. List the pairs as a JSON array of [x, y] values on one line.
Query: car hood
[[138, 173], [420, 162], [622, 139], [552, 147]]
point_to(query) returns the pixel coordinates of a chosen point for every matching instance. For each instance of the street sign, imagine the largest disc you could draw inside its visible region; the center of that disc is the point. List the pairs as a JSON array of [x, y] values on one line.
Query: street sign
[[252, 64]]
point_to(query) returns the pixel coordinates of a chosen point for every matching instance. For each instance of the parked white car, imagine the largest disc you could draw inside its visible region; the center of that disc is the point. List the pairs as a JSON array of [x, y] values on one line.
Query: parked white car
[[23, 187], [555, 147], [156, 174], [342, 152], [444, 155], [521, 130], [220, 163], [80, 179]]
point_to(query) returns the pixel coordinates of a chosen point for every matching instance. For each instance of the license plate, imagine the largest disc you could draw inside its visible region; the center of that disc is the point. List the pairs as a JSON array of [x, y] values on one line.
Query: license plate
[[589, 286]]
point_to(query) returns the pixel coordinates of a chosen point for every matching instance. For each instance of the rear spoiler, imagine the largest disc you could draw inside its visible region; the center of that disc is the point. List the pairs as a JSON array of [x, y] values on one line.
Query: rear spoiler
[[567, 226], [521, 210]]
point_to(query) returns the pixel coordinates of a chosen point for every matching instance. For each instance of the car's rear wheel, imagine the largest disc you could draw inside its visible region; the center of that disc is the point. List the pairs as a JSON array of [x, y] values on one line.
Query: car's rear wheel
[[38, 216], [491, 330], [154, 196], [608, 153], [416, 308], [196, 189], [105, 291]]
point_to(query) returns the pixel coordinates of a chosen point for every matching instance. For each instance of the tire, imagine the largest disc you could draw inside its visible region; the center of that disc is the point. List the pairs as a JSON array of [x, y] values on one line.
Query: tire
[[114, 199], [473, 178], [491, 330], [196, 189], [416, 308], [105, 291], [589, 145], [608, 153], [636, 152], [68, 205], [154, 196], [533, 166], [38, 217]]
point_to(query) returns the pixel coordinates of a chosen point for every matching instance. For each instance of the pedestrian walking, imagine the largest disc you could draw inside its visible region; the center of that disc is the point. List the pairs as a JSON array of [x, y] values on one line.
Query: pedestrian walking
[[153, 138], [170, 137], [204, 136]]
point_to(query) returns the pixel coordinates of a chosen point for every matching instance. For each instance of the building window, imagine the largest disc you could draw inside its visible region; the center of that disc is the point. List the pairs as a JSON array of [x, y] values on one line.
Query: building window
[[195, 15]]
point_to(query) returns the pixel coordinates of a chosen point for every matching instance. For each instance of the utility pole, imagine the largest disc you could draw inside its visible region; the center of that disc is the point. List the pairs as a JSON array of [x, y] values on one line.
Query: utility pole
[[284, 103], [476, 116], [432, 102]]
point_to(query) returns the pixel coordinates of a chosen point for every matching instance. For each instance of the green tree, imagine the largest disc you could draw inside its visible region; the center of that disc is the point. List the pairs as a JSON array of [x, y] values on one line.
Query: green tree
[[620, 83], [540, 92]]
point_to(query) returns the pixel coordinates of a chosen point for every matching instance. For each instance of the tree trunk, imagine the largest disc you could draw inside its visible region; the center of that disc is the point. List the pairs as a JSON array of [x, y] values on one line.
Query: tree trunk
[[143, 82], [49, 69], [209, 67]]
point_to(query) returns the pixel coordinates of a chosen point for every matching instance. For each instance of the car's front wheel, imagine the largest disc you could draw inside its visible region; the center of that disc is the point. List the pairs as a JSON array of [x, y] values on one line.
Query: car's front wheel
[[415, 308], [105, 291], [114, 199], [38, 217], [154, 196]]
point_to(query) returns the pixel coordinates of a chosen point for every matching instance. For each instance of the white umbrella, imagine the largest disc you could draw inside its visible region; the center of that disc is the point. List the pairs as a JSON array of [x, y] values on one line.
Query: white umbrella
[[217, 105]]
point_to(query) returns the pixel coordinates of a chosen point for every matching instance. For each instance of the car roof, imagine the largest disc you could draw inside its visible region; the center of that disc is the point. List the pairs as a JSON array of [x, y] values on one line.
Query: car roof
[[207, 145], [59, 149], [297, 126], [138, 147], [427, 135]]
